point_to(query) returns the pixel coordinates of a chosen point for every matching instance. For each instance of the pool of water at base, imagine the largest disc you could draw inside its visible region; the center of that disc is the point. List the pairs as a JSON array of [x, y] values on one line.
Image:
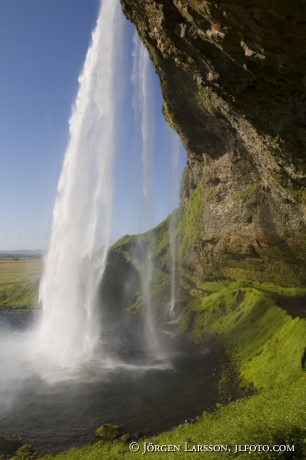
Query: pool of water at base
[[140, 397]]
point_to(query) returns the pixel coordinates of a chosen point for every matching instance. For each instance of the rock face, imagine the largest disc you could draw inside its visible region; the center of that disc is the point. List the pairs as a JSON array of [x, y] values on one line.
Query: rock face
[[233, 77]]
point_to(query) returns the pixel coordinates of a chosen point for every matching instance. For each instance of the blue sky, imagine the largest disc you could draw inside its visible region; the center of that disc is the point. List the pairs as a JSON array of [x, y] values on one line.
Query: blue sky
[[43, 44]]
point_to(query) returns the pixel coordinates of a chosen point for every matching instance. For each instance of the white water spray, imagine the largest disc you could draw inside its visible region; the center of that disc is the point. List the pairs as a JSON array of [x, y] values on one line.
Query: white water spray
[[144, 110], [174, 216], [82, 213]]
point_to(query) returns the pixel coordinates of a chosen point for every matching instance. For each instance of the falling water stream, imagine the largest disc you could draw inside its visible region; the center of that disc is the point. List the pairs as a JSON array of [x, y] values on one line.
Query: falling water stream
[[174, 218], [144, 114], [69, 329], [59, 376]]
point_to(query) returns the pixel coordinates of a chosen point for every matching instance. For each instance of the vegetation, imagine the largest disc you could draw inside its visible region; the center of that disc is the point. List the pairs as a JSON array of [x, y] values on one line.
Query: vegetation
[[267, 347], [218, 285], [265, 343], [19, 281], [21, 271], [157, 243], [108, 431], [20, 295], [248, 191], [191, 228]]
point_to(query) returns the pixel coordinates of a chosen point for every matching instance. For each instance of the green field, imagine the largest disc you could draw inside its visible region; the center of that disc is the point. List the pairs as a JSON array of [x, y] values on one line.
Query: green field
[[19, 280]]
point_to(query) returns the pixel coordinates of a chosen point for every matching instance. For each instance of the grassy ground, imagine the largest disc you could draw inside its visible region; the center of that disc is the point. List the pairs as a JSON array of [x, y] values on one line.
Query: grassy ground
[[267, 347], [19, 281]]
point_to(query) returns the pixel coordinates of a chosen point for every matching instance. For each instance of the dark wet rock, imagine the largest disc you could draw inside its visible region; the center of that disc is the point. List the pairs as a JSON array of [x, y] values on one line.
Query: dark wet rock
[[119, 284], [304, 360]]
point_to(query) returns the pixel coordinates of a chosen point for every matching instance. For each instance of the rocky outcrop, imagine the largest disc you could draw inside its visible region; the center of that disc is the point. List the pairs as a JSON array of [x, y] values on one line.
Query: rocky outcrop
[[108, 431], [233, 77], [120, 284]]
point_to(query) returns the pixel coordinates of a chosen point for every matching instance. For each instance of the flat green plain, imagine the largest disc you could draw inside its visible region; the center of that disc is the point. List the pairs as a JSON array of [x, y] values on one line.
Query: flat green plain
[[19, 280]]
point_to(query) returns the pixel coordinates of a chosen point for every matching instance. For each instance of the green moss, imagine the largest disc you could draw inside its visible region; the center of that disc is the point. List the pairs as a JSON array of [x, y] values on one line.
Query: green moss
[[245, 193], [27, 453], [124, 246], [157, 241], [301, 195], [196, 292], [206, 286], [289, 291], [191, 228], [108, 431], [160, 282], [169, 116], [265, 343], [213, 286], [125, 438], [136, 306], [185, 185], [184, 284], [209, 309], [283, 290], [205, 95], [279, 265], [8, 447]]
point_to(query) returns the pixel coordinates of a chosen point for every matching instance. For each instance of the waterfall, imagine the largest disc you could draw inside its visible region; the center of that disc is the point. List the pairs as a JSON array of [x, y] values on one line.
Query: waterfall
[[174, 216], [143, 102], [70, 328], [82, 214]]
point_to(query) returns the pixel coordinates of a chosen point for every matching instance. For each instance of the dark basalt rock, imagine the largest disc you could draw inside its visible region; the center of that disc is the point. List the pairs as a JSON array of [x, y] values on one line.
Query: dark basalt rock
[[119, 285]]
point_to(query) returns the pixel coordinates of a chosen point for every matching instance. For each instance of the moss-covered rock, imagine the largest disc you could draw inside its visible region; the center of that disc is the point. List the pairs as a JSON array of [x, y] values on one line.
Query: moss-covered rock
[[121, 285], [108, 431], [8, 447], [27, 452], [125, 438]]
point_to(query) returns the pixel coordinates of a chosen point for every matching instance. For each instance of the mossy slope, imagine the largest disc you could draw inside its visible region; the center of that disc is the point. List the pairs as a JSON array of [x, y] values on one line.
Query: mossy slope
[[267, 346], [158, 246]]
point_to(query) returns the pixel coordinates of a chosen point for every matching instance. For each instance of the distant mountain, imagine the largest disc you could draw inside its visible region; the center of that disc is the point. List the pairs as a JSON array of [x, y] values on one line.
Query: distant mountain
[[24, 251]]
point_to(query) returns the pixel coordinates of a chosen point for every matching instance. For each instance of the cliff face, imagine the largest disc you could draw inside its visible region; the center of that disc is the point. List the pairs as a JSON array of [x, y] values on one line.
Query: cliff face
[[233, 77]]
